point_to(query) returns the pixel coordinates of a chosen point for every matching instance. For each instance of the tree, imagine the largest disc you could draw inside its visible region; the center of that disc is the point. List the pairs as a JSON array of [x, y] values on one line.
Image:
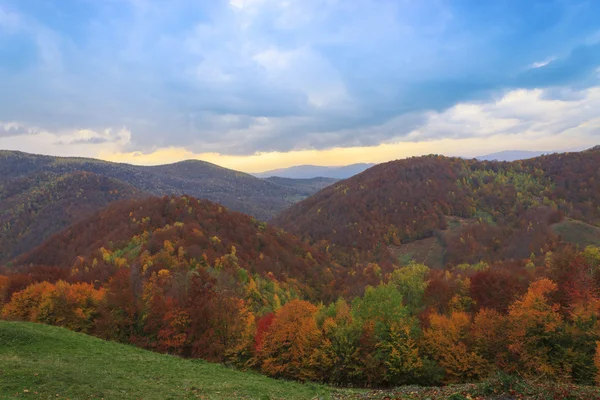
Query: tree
[[448, 340], [4, 282], [535, 329], [290, 342], [73, 306], [25, 303], [489, 337], [400, 353], [411, 283], [382, 304], [337, 359]]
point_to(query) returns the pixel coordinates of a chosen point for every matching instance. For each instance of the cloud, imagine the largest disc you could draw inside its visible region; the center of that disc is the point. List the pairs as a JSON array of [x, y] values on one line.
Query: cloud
[[520, 119], [14, 129], [249, 76], [540, 64]]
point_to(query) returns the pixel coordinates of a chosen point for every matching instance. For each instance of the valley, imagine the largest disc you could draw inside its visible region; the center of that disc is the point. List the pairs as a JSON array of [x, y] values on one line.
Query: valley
[[426, 271], [42, 194], [304, 200]]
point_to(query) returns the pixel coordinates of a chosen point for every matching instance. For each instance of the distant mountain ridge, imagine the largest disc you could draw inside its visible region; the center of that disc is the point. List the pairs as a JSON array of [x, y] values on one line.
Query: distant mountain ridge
[[39, 195], [314, 171], [513, 155]]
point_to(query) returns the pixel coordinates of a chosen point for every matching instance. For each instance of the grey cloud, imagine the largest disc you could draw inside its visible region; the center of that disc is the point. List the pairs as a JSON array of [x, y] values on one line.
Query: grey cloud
[[152, 82]]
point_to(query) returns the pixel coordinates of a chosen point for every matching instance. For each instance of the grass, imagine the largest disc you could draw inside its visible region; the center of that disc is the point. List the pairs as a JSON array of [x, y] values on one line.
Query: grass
[[43, 362], [578, 232]]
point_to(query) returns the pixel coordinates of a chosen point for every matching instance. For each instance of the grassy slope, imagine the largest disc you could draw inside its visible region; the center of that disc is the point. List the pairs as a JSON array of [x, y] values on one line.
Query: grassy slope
[[45, 362], [55, 363], [578, 232]]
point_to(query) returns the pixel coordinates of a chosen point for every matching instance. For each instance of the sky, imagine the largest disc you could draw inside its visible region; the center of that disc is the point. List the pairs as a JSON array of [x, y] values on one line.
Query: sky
[[261, 84]]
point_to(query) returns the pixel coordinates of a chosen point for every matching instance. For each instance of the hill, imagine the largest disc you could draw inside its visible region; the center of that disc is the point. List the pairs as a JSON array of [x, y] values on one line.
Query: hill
[[236, 190], [304, 187], [48, 362], [39, 195], [313, 171], [158, 259], [136, 231], [511, 205], [38, 205], [512, 155]]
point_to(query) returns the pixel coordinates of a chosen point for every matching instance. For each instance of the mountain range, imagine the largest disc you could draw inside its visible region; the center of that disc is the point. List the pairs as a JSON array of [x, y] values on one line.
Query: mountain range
[[387, 265], [513, 155], [312, 171], [42, 194]]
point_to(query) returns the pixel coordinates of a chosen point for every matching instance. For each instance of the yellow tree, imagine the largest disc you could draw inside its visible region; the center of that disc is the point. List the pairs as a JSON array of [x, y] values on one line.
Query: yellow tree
[[401, 354], [448, 341], [25, 304], [534, 332], [489, 336], [290, 342]]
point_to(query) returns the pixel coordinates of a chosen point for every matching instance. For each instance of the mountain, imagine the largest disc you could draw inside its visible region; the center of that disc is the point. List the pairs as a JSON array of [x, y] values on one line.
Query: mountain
[[132, 230], [37, 205], [165, 263], [512, 155], [472, 210], [304, 187], [344, 304], [313, 171], [42, 194], [234, 189]]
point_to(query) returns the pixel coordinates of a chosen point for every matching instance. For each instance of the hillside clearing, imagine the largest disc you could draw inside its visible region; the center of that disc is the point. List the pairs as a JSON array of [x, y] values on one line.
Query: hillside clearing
[[578, 232], [44, 362]]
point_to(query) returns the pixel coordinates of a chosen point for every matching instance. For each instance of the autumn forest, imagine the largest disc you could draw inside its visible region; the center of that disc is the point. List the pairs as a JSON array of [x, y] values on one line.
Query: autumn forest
[[428, 270]]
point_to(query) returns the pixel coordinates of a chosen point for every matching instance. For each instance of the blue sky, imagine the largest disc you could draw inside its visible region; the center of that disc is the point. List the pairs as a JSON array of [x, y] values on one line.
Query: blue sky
[[246, 82]]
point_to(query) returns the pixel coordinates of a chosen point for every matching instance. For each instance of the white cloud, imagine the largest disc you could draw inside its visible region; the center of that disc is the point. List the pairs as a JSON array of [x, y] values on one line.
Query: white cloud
[[81, 142], [541, 64], [525, 113]]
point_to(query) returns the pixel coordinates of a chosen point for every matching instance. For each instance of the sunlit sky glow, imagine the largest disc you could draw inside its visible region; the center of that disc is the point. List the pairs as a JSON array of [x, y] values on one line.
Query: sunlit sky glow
[[262, 84]]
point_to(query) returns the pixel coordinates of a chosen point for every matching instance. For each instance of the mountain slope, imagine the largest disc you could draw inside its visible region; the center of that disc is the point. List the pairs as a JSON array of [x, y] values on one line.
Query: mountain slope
[[39, 195], [234, 189], [512, 205], [45, 361], [304, 187], [37, 205], [197, 231], [512, 155], [176, 275], [313, 171]]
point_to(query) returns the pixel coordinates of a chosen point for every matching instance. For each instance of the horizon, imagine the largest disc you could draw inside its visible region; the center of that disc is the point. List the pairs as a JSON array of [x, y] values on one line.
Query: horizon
[[257, 85], [333, 166]]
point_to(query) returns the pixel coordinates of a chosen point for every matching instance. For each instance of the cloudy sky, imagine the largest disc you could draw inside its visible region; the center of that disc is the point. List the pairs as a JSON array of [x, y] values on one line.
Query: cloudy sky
[[261, 84]]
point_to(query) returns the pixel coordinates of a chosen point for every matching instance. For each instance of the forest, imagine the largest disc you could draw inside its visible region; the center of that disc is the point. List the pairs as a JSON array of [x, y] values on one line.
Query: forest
[[188, 277], [40, 195]]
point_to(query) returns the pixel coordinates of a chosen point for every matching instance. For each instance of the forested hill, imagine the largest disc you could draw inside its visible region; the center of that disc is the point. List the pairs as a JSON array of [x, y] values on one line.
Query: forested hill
[[236, 190], [35, 206], [477, 210], [182, 233], [39, 195]]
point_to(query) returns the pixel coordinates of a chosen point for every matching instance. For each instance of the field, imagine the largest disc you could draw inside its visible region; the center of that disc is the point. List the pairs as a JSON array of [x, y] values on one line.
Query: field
[[43, 362], [578, 232]]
